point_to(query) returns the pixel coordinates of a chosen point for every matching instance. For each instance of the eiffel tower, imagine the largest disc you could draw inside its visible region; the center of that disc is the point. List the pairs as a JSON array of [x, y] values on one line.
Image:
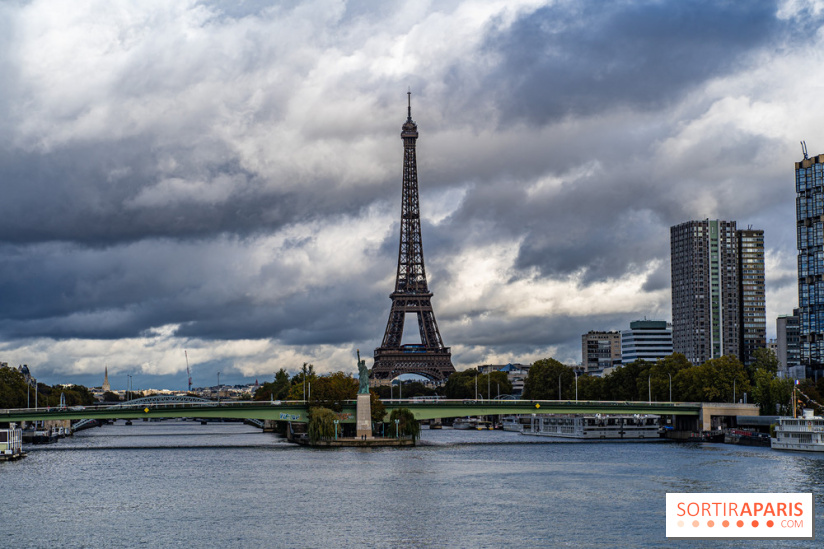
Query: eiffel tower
[[429, 358]]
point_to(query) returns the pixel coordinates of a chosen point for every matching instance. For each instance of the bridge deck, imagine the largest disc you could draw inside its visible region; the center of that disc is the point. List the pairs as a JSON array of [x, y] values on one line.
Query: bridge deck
[[297, 411]]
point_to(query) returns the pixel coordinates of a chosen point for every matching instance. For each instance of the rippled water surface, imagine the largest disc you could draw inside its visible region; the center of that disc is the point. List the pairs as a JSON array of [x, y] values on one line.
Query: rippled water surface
[[182, 484]]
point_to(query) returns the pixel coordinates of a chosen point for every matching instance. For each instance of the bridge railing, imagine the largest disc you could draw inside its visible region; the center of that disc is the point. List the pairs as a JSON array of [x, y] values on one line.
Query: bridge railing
[[131, 405]]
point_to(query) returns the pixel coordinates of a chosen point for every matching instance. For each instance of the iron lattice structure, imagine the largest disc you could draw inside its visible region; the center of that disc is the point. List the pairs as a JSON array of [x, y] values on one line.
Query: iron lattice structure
[[430, 358]]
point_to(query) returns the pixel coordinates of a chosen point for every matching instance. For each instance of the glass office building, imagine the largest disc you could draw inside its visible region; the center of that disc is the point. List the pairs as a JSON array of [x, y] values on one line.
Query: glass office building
[[809, 206]]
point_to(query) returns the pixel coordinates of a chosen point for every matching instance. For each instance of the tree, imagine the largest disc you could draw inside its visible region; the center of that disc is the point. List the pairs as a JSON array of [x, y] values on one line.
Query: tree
[[109, 396], [321, 424], [461, 384], [763, 359], [722, 379], [13, 389], [772, 395], [275, 390], [307, 374], [332, 390], [542, 381], [492, 384], [377, 408], [408, 426]]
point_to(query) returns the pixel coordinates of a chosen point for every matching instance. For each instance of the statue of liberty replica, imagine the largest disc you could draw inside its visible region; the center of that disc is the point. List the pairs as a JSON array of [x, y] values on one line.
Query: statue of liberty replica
[[364, 404]]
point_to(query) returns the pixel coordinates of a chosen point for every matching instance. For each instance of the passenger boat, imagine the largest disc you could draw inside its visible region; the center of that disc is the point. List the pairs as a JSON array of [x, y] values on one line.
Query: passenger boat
[[803, 434], [11, 443], [484, 426], [598, 426], [512, 423], [464, 423]]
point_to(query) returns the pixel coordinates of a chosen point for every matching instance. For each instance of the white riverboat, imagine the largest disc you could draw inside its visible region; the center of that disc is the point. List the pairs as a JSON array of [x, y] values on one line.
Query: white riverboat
[[512, 423], [802, 434], [598, 426], [11, 443], [465, 423]]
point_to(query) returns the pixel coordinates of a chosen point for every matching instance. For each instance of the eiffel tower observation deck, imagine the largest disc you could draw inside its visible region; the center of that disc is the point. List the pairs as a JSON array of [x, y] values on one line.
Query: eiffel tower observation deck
[[429, 358]]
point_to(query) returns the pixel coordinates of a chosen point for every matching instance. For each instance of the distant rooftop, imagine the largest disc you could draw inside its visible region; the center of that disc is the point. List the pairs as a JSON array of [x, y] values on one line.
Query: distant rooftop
[[648, 325]]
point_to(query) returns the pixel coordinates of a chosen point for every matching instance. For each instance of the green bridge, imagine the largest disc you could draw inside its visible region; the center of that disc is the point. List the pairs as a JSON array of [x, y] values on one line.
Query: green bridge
[[296, 411]]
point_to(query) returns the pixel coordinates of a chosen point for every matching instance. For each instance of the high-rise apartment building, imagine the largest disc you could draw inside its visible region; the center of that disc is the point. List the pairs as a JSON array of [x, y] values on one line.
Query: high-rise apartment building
[[647, 340], [752, 306], [718, 297], [809, 209], [600, 350], [705, 289]]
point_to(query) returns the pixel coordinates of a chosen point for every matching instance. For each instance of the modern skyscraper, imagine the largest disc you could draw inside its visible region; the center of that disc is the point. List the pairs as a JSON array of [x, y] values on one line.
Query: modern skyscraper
[[647, 340], [705, 289], [752, 305], [809, 209], [600, 350]]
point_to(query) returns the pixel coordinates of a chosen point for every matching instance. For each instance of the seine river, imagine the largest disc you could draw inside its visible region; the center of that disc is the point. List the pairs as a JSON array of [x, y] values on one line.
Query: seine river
[[182, 484]]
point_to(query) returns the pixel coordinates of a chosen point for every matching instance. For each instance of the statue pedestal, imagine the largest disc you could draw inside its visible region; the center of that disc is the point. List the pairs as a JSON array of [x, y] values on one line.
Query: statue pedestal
[[364, 417]]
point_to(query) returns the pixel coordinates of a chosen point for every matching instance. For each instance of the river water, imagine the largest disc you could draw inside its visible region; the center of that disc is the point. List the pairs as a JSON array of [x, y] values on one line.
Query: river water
[[182, 484]]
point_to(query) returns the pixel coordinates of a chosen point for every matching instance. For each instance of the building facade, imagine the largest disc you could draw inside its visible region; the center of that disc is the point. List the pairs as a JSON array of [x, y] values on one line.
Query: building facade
[[705, 289], [788, 344], [752, 295], [646, 340], [600, 350], [809, 207], [515, 373]]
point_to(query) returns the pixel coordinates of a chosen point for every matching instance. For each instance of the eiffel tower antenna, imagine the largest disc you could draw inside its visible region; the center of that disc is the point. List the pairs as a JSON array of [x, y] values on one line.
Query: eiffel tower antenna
[[430, 358]]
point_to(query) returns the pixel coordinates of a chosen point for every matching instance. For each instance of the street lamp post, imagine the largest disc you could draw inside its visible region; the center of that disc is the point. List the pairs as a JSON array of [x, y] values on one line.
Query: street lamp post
[[733, 390], [576, 385], [649, 382], [670, 385], [218, 388], [397, 421], [336, 428], [559, 385]]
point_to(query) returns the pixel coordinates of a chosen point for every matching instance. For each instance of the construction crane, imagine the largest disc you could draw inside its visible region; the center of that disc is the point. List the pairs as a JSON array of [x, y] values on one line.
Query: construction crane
[[804, 150], [188, 372]]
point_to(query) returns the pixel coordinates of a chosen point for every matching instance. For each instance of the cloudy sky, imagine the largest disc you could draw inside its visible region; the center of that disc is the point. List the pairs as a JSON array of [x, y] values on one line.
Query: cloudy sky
[[224, 176]]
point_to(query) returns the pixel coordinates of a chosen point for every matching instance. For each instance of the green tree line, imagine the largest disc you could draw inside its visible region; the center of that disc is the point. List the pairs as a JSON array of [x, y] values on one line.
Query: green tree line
[[16, 393], [672, 378]]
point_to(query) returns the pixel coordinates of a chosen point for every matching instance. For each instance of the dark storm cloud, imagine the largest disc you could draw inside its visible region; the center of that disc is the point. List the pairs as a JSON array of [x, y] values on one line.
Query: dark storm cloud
[[582, 58], [86, 194]]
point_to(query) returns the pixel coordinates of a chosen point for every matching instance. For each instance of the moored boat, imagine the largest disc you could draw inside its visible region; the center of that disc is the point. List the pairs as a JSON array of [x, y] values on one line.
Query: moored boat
[[802, 434], [464, 423], [598, 427], [11, 443]]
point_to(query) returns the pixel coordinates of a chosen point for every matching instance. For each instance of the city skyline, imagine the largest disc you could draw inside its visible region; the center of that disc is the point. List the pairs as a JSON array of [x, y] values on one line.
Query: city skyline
[[224, 178]]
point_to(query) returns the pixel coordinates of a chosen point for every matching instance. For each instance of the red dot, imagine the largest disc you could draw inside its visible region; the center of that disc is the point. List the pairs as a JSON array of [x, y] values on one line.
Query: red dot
[[755, 524], [725, 523], [770, 524], [740, 523], [710, 523]]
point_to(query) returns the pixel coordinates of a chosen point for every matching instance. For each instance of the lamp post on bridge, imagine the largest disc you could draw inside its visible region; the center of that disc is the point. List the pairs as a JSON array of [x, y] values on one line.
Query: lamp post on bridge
[[576, 385], [218, 388], [670, 385], [649, 382], [559, 386]]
